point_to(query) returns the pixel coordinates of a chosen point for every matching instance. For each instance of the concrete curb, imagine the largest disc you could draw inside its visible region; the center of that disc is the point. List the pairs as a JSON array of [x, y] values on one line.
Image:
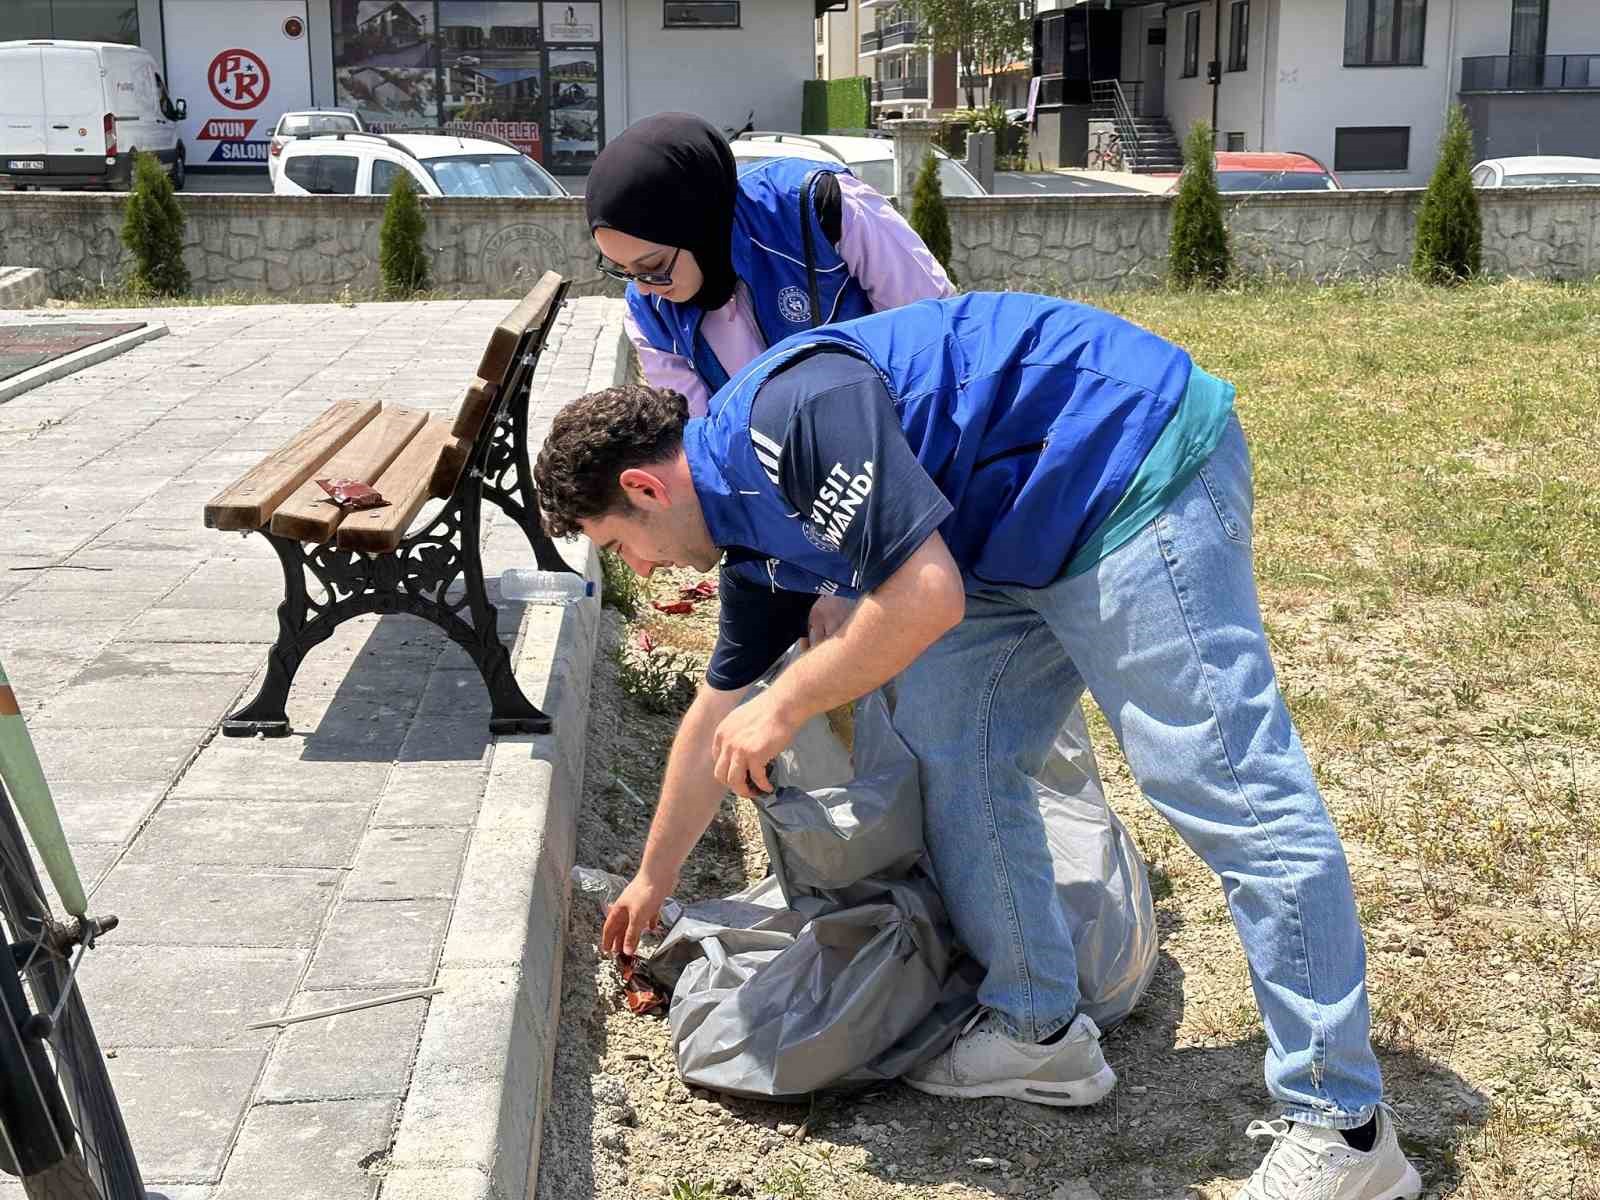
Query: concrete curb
[[77, 360], [23, 287], [473, 1119]]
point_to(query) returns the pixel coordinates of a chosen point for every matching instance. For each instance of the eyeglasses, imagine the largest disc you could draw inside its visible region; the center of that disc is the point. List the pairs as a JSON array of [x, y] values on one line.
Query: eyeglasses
[[661, 278]]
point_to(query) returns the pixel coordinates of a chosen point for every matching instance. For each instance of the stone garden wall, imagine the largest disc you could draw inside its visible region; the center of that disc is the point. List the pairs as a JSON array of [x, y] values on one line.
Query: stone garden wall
[[312, 247]]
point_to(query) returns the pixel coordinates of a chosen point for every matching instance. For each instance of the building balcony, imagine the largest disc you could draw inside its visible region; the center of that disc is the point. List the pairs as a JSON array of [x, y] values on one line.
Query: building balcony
[[898, 36], [866, 4], [1531, 73], [887, 91]]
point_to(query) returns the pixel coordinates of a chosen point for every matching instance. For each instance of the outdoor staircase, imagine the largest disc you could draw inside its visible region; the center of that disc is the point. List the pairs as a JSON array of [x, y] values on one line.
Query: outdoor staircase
[[1148, 144], [1158, 150]]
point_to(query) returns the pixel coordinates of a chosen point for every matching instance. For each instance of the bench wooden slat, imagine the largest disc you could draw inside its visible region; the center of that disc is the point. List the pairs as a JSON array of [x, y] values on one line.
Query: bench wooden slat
[[309, 514], [475, 406], [452, 461], [530, 313], [405, 484], [250, 502]]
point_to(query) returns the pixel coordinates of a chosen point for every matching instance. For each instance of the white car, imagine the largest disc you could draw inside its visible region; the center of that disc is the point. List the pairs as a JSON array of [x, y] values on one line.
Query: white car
[[1538, 170], [307, 123], [73, 114], [870, 159], [365, 164]]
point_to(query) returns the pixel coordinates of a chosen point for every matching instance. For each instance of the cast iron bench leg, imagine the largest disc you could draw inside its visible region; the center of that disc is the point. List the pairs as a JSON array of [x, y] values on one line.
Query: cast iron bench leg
[[436, 574], [508, 482]]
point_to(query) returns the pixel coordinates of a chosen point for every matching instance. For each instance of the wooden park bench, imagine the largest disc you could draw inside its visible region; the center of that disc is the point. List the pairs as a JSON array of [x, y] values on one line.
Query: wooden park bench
[[370, 560]]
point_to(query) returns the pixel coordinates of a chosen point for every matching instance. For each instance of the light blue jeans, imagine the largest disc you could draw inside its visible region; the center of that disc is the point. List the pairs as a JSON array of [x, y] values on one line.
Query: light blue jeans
[[1166, 634]]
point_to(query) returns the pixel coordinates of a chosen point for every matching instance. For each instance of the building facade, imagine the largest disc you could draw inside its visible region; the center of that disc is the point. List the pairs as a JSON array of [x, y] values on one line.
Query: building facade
[[882, 40], [1362, 85], [555, 77]]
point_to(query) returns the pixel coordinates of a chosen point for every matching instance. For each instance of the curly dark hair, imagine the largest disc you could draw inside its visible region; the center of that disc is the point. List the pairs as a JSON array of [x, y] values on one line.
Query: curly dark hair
[[596, 438]]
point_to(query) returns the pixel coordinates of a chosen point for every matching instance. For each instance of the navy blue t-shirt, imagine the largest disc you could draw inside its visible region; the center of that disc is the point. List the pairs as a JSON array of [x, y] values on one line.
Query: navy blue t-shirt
[[826, 432]]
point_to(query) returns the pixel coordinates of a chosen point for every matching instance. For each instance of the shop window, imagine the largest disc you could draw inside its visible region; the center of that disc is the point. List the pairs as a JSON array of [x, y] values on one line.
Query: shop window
[[524, 71], [1372, 148], [701, 14]]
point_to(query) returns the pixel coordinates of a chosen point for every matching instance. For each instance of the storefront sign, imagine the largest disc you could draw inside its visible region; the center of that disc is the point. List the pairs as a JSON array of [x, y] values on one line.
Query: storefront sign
[[240, 67], [571, 22]]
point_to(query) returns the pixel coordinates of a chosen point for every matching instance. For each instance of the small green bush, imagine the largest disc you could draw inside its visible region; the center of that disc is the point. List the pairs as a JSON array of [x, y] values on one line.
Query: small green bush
[[662, 681], [928, 214], [402, 253], [1449, 244], [1199, 256], [152, 230], [620, 588]]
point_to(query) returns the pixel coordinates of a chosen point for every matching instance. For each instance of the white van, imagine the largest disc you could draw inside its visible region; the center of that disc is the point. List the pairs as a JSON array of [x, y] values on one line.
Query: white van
[[72, 114]]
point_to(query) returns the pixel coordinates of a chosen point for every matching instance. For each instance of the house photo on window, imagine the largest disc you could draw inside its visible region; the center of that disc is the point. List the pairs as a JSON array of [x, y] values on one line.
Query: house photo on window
[[1239, 36], [1191, 44], [1384, 33]]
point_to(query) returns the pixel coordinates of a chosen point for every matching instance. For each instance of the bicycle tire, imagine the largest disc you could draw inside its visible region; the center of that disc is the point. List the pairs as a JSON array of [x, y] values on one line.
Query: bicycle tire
[[59, 1114]]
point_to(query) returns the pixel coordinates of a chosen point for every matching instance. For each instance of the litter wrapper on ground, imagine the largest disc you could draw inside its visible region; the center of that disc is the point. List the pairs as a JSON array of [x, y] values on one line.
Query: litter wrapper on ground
[[841, 970]]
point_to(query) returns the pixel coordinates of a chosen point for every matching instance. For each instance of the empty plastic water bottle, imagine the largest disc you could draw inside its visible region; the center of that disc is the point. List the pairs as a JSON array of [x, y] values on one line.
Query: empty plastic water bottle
[[544, 587]]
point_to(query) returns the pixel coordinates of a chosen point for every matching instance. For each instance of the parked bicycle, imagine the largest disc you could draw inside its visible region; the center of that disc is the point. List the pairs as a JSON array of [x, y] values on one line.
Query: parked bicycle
[[61, 1131]]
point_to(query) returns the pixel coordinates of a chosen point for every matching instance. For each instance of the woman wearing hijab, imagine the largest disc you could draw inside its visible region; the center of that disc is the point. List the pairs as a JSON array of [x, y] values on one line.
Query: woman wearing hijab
[[722, 263], [715, 257]]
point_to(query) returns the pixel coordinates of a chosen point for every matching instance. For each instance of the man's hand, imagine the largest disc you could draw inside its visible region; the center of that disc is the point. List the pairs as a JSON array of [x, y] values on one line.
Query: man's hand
[[749, 738], [633, 915], [828, 615]]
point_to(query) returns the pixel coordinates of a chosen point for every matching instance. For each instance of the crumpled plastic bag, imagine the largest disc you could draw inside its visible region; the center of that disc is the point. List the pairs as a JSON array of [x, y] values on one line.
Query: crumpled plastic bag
[[841, 970]]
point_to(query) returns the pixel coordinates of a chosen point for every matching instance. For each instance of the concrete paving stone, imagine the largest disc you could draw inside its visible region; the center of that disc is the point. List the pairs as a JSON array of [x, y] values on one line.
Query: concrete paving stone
[[407, 864], [194, 593], [128, 703], [275, 769], [93, 860], [455, 694], [504, 910], [315, 1151], [204, 627], [112, 755], [339, 728], [362, 1053], [40, 604], [235, 833], [97, 812], [146, 581], [78, 639], [379, 944], [183, 1109], [130, 657], [178, 1191], [427, 794], [168, 904], [185, 996], [448, 740], [35, 676]]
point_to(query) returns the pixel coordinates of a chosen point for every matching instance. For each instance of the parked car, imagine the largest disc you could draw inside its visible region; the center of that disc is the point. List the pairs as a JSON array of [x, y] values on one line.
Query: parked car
[[73, 114], [870, 159], [307, 123], [365, 164], [1537, 170], [1270, 171]]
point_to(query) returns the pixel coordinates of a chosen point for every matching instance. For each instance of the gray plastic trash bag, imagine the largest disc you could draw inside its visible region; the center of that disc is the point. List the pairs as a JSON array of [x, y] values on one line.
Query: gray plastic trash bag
[[841, 969]]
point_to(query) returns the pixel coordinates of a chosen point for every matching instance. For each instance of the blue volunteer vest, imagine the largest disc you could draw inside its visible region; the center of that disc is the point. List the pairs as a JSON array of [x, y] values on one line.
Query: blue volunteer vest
[[1030, 414], [769, 255]]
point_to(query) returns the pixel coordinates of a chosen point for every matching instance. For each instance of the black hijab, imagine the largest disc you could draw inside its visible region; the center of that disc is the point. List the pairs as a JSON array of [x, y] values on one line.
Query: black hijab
[[670, 179]]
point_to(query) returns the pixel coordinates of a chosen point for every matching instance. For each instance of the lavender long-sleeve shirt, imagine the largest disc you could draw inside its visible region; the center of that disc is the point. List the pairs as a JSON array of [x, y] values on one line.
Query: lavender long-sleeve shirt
[[882, 253]]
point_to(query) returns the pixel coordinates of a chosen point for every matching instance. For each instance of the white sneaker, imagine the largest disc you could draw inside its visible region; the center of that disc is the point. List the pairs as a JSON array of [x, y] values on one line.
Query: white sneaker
[[1308, 1163], [983, 1061]]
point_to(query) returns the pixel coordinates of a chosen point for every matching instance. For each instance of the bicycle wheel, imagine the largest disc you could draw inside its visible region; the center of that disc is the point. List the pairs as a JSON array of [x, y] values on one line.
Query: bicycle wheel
[[59, 1115]]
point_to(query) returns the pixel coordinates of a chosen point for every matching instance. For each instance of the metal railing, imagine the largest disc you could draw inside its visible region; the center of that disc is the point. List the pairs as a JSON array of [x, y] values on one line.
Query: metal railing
[[901, 33], [1103, 102], [1107, 96], [1531, 73], [910, 88]]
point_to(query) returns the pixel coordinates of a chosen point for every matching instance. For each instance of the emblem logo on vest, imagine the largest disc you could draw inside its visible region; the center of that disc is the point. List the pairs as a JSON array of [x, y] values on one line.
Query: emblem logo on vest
[[794, 305]]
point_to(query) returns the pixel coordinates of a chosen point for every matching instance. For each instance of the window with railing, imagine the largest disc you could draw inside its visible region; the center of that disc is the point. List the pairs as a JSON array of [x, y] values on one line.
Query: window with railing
[[1530, 73], [1384, 33]]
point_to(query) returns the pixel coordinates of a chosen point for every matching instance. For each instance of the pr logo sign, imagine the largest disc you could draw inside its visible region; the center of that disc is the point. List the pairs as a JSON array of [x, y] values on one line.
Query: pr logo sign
[[238, 79]]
